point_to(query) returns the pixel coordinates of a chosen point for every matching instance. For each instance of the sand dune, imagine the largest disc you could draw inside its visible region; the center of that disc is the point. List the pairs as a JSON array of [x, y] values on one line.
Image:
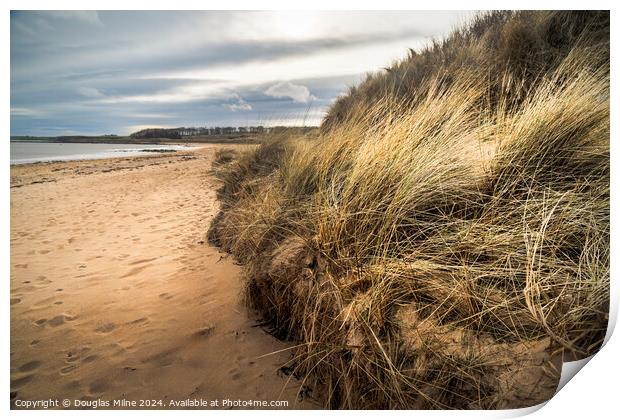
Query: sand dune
[[115, 292]]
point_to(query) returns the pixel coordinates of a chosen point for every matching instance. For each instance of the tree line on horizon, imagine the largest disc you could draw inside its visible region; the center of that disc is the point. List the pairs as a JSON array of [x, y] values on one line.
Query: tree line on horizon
[[180, 132]]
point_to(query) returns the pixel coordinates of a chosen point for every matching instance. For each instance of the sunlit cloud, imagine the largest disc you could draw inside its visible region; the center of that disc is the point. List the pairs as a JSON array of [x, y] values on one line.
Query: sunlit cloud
[[238, 104], [298, 93]]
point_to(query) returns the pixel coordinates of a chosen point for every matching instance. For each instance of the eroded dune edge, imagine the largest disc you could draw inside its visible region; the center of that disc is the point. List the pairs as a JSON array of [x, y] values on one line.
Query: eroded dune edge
[[443, 241]]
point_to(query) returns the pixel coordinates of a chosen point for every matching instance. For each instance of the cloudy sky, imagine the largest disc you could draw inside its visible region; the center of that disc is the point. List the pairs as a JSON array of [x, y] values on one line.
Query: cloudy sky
[[87, 72]]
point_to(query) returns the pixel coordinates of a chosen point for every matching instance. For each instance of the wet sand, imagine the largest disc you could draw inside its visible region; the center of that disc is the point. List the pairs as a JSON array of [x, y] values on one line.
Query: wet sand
[[116, 294]]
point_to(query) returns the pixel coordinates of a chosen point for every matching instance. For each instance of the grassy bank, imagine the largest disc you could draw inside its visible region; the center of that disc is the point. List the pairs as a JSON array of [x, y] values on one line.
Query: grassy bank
[[444, 240]]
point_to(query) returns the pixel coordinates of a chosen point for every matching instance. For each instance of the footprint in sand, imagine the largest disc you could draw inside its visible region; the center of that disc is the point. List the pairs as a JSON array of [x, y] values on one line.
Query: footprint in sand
[[20, 382], [30, 366], [73, 385], [234, 374], [204, 332], [164, 358], [98, 386], [15, 301], [106, 328], [133, 271], [67, 369], [21, 266], [71, 357], [139, 321], [142, 261], [42, 281], [166, 296], [58, 320]]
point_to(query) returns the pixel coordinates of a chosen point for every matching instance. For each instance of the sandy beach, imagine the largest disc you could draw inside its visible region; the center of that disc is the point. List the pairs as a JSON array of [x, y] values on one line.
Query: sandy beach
[[116, 294]]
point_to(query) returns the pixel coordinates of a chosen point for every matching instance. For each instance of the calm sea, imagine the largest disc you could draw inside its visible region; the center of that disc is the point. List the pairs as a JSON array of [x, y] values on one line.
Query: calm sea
[[30, 152]]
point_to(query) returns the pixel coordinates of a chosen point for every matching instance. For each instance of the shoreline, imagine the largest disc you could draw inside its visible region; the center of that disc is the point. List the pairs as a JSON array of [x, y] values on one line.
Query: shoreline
[[216, 140], [123, 150], [116, 294]]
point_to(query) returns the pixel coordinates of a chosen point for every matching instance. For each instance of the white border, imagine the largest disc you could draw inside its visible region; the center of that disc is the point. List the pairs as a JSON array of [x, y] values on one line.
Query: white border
[[593, 395]]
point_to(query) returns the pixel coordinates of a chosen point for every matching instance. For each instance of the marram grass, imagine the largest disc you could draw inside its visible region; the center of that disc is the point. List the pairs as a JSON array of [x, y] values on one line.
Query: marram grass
[[443, 242]]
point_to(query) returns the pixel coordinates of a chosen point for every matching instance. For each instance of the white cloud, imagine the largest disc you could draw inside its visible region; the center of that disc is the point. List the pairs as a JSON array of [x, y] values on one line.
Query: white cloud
[[25, 112], [298, 93], [149, 115], [85, 16], [239, 104], [90, 92], [179, 94], [239, 107], [351, 61]]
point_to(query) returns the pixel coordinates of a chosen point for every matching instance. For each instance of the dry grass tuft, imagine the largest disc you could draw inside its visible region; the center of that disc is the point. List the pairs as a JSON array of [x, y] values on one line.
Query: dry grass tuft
[[444, 240]]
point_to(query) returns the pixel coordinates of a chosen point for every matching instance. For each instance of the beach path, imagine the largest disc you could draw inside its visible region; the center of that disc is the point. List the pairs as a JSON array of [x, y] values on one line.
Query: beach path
[[116, 294]]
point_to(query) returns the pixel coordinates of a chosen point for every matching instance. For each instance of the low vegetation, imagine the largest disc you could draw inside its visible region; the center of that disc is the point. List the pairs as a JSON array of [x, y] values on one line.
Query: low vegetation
[[443, 242], [241, 134]]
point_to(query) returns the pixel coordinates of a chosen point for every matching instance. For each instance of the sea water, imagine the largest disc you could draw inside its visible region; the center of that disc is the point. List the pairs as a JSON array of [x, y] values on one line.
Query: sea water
[[31, 152]]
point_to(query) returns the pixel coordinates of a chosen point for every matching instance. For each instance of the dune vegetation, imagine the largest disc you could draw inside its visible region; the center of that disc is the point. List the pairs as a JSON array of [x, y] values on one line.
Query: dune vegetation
[[443, 241]]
